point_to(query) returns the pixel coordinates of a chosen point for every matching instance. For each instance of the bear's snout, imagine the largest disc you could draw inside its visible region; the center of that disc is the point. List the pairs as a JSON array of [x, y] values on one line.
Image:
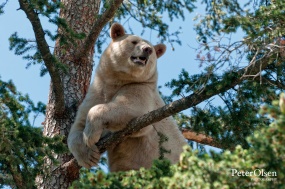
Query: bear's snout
[[147, 50], [141, 55]]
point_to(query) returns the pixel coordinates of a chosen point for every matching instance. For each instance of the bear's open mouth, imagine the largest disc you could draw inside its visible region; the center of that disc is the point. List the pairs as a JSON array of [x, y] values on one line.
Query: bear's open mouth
[[140, 60]]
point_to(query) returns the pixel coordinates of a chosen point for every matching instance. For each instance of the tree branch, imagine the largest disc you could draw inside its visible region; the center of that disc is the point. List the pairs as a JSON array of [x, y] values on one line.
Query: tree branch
[[16, 175], [182, 104], [100, 22], [48, 58], [275, 83], [200, 138], [203, 139]]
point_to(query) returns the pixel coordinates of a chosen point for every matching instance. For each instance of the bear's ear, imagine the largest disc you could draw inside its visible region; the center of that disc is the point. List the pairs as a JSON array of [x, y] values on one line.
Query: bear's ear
[[117, 30], [159, 50]]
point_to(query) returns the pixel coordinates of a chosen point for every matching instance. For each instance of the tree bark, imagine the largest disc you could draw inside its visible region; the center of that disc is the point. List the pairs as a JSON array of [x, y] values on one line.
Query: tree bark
[[80, 16]]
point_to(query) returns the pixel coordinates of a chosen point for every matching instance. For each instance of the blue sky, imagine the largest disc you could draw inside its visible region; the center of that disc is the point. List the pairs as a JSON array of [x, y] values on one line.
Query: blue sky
[[28, 81]]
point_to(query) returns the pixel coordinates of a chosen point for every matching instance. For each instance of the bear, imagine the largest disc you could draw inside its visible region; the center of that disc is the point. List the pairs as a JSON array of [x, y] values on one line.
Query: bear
[[124, 87]]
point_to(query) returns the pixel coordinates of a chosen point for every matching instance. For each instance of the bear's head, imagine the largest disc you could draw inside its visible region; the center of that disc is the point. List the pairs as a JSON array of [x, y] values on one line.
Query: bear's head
[[129, 57]]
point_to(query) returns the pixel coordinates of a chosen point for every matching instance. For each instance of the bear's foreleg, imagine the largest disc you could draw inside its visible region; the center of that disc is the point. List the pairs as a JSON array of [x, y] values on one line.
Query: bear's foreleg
[[114, 115], [105, 116], [85, 156]]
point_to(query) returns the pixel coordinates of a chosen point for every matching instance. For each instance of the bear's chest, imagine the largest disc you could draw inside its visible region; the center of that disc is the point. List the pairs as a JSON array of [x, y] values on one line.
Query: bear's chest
[[109, 92]]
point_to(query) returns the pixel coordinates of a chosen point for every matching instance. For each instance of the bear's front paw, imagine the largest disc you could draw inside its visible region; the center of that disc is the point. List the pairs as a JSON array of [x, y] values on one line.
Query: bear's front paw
[[88, 157], [85, 156], [91, 134]]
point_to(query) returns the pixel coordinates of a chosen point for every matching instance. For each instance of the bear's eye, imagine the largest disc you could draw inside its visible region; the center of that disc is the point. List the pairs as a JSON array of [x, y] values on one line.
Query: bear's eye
[[134, 42]]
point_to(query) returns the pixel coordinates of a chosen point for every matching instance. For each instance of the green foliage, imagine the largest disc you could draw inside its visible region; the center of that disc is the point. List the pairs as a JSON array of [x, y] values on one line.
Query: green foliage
[[234, 117], [162, 150], [127, 180], [267, 154], [22, 46], [227, 16], [23, 148], [50, 10]]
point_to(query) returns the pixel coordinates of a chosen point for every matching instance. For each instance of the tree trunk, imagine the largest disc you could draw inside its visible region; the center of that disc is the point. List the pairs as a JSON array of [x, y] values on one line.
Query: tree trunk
[[80, 16]]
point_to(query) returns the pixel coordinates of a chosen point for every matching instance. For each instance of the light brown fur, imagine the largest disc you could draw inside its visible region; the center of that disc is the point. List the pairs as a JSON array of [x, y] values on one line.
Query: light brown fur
[[124, 89]]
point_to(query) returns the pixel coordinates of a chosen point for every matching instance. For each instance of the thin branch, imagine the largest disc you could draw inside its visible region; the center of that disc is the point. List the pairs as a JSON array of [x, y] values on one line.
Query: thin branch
[[227, 105], [100, 22], [48, 58], [275, 83], [16, 175]]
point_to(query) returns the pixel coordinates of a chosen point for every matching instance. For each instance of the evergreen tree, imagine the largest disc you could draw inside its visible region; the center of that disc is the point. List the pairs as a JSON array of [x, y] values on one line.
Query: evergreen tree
[[23, 147]]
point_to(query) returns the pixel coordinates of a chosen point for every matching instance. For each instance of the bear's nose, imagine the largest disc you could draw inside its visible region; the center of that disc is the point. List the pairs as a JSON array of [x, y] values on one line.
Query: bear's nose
[[147, 50]]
